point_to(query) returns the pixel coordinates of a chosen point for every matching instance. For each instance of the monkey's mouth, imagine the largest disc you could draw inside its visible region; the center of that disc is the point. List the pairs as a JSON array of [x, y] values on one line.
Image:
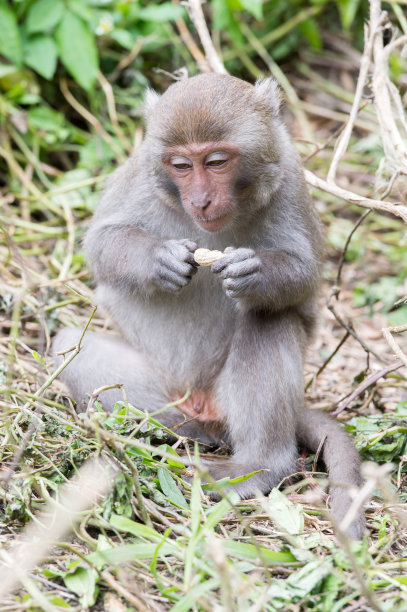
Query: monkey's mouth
[[214, 223]]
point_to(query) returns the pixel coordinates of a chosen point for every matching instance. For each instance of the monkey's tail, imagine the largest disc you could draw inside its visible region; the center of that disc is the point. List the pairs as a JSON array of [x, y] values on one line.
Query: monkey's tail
[[341, 459]]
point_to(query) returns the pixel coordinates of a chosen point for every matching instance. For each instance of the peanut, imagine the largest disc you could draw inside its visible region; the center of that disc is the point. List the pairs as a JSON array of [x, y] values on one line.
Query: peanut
[[206, 257]]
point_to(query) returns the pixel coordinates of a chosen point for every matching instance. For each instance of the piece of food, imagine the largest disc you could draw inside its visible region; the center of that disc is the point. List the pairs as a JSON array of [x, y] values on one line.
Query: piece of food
[[206, 257]]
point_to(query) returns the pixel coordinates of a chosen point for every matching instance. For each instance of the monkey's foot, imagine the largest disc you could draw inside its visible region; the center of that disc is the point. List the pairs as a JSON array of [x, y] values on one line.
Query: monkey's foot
[[201, 406]]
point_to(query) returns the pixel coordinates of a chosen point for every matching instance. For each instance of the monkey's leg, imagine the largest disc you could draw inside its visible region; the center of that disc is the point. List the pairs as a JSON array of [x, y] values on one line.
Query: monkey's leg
[[260, 390], [341, 459], [107, 360]]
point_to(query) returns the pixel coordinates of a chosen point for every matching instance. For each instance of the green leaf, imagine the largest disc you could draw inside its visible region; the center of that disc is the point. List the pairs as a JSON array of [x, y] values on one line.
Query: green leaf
[[170, 489], [41, 54], [305, 579], [124, 38], [284, 513], [6, 69], [254, 7], [46, 120], [130, 552], [250, 551], [122, 523], [77, 49], [228, 482], [177, 461], [309, 29], [44, 15], [119, 499], [10, 41], [38, 357], [161, 13], [348, 10], [83, 582], [81, 9], [219, 510]]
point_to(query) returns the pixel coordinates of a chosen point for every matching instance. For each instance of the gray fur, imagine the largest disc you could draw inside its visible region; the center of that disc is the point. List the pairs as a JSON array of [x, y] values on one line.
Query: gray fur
[[239, 329]]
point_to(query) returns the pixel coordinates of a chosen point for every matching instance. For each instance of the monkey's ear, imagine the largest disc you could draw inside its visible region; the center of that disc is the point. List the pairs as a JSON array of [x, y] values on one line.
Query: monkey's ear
[[150, 101], [268, 91]]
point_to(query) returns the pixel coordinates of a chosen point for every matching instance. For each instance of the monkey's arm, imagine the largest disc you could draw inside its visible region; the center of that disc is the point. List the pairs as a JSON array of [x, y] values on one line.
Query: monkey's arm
[[273, 278], [135, 260]]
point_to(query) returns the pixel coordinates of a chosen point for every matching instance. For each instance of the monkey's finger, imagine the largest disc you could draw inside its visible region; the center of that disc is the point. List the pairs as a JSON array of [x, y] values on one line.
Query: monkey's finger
[[190, 244], [237, 287], [221, 264], [241, 254], [175, 250], [174, 265], [180, 280], [189, 258], [168, 286], [241, 268]]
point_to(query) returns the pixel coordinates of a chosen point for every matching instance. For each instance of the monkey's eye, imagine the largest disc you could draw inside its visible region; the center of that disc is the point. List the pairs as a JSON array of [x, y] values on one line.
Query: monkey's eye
[[181, 163], [216, 159]]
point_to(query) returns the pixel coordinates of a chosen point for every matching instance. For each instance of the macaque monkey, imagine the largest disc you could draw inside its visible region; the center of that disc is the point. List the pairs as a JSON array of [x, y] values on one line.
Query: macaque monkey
[[217, 169]]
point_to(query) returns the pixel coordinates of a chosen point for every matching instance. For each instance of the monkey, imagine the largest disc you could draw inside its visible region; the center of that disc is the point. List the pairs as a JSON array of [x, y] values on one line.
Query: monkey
[[217, 169]]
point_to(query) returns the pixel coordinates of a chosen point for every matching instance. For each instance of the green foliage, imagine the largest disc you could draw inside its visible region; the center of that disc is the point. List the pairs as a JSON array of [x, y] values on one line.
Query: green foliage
[[381, 438], [44, 15], [384, 292], [10, 40], [41, 54], [347, 11], [83, 34], [77, 49]]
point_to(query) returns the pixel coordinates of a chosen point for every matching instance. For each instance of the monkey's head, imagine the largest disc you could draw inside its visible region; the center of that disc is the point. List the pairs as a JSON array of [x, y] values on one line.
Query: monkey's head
[[216, 142]]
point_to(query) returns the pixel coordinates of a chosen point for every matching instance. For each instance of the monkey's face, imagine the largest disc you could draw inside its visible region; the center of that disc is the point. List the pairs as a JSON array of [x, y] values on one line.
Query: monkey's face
[[205, 176]]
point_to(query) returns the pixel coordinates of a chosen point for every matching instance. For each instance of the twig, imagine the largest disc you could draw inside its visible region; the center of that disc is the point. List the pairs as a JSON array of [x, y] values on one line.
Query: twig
[[31, 429], [128, 59], [317, 454], [343, 140], [394, 145], [345, 248], [387, 333], [70, 226], [190, 44], [111, 109], [331, 356], [353, 198], [194, 8], [349, 327], [93, 480], [278, 74], [94, 122], [123, 592], [279, 32], [365, 384]]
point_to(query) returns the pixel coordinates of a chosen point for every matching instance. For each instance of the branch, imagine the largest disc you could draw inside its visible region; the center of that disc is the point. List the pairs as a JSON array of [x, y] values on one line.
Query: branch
[[194, 8], [354, 198]]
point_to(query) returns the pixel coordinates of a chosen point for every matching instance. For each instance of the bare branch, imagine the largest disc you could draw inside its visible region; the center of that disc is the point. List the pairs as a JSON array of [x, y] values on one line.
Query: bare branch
[[194, 8], [353, 198]]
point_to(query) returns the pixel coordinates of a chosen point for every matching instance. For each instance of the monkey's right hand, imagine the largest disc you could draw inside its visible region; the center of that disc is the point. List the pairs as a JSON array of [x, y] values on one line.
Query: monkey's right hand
[[174, 264]]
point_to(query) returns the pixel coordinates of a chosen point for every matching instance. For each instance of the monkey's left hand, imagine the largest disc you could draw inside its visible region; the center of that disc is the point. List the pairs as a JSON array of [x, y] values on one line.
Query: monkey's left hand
[[240, 271]]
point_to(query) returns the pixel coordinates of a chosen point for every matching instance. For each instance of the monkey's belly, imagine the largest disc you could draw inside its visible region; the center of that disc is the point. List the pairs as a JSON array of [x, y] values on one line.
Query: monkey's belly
[[185, 337]]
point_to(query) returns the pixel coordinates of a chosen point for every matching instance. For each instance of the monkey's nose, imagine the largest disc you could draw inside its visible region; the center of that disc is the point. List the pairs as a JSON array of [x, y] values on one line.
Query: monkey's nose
[[202, 204]]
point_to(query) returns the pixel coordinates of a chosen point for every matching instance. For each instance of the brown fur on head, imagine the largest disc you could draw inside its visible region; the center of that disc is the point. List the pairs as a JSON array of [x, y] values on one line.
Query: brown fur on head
[[213, 107], [206, 117]]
